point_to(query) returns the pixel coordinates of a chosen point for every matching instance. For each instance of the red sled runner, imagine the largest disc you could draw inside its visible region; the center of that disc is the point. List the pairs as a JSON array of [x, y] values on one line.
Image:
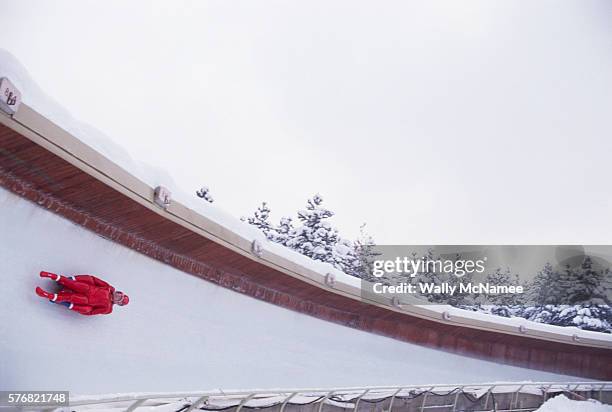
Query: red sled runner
[[85, 294]]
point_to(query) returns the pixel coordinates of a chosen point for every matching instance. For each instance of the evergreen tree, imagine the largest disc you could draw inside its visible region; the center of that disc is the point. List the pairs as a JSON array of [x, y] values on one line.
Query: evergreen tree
[[606, 287], [345, 257], [260, 220], [284, 231], [432, 273], [503, 278], [316, 237], [546, 288], [319, 240], [585, 283], [428, 275], [459, 298], [366, 255]]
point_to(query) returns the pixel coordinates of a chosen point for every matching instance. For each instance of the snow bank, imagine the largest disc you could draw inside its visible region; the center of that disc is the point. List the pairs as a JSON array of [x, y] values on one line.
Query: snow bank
[[562, 404]]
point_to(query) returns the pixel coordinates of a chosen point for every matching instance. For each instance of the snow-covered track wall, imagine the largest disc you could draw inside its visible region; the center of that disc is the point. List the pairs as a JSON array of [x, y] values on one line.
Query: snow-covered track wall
[[47, 165]]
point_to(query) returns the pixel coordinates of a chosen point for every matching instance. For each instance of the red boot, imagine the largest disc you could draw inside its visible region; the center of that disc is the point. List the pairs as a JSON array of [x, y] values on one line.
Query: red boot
[[43, 293], [49, 275]]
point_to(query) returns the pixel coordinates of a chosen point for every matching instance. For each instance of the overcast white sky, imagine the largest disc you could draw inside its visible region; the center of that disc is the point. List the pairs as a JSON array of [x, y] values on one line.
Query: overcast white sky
[[433, 121]]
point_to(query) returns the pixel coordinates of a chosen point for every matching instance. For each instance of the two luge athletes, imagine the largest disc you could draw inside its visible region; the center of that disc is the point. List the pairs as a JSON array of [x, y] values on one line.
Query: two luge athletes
[[84, 294]]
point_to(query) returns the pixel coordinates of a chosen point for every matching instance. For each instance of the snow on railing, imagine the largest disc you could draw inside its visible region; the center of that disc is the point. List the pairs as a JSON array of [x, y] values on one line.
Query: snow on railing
[[346, 398]]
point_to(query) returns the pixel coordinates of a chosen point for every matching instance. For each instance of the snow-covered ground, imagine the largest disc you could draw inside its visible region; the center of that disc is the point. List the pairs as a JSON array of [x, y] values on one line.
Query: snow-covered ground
[[180, 332], [562, 404]]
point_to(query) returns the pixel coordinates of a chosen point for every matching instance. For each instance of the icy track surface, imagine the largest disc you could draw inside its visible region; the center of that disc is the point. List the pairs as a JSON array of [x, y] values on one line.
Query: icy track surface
[[180, 332]]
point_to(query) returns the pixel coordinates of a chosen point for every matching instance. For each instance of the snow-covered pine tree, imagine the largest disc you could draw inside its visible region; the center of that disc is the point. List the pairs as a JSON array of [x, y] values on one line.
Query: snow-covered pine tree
[[545, 289], [593, 317], [260, 220], [318, 239], [284, 231], [315, 237], [559, 286], [606, 287], [366, 254], [460, 298], [428, 275], [345, 258], [432, 274], [589, 317], [204, 193], [549, 293], [503, 278], [584, 284]]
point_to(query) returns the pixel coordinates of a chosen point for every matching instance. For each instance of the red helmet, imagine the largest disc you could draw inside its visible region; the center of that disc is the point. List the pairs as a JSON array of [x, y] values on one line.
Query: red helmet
[[120, 298], [125, 300]]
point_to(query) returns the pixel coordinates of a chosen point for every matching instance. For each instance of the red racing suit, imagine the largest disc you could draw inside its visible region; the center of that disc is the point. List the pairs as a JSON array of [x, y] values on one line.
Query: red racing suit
[[85, 294]]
